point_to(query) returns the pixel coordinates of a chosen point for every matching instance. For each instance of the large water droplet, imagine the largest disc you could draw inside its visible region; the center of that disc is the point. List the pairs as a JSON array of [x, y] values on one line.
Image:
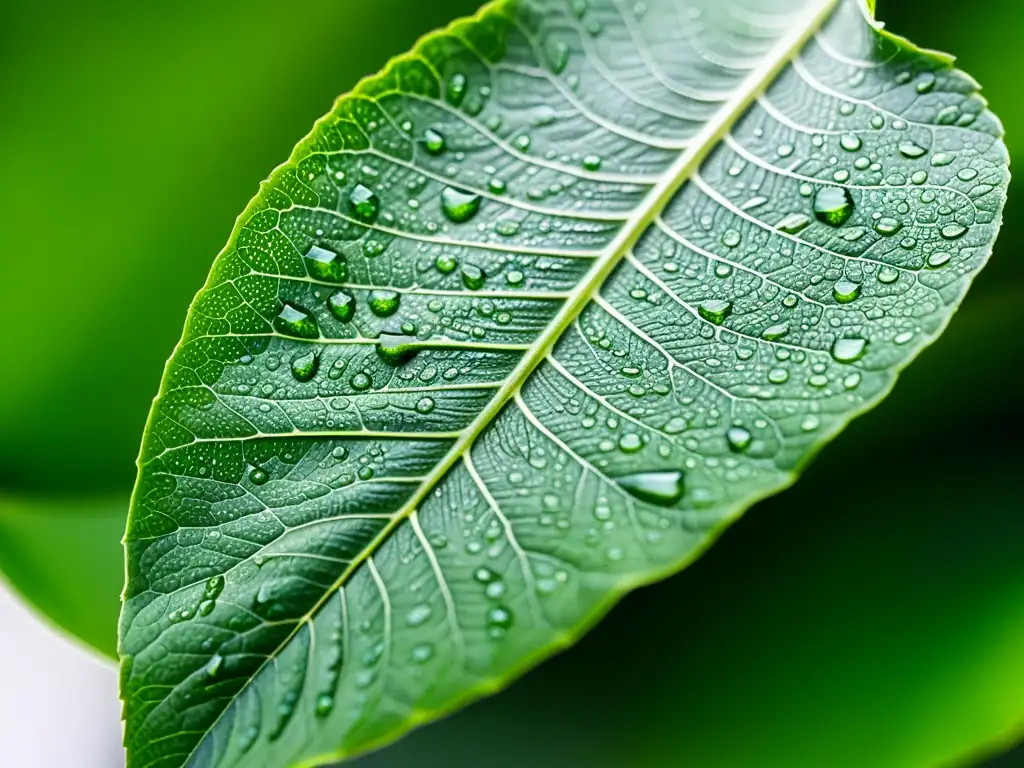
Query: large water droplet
[[849, 350], [833, 206], [342, 306], [715, 310], [851, 142], [459, 206], [473, 277], [364, 204], [433, 141], [845, 291], [739, 439], [630, 442], [304, 368], [661, 488], [912, 150], [293, 321], [325, 265], [383, 303], [396, 349]]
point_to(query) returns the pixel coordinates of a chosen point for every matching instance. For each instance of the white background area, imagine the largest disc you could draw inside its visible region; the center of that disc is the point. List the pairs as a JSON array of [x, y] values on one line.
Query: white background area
[[58, 702]]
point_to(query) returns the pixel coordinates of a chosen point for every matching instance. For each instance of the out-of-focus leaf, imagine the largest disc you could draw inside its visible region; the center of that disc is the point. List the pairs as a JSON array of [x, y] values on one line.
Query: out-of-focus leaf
[[64, 556]]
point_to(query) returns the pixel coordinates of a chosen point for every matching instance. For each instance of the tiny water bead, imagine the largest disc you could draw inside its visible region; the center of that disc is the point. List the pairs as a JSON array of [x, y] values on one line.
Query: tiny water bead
[[342, 306], [845, 291], [459, 206], [294, 321], [325, 265], [661, 488], [715, 310], [849, 350], [592, 163], [383, 303], [433, 141], [304, 368], [833, 206], [364, 204], [258, 476]]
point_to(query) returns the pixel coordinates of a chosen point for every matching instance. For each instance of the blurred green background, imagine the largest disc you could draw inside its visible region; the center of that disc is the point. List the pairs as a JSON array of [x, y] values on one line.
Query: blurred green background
[[873, 616]]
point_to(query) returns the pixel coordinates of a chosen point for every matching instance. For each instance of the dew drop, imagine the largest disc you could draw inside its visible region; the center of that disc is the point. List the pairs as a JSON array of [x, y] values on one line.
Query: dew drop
[[953, 231], [911, 150], [833, 206], [433, 141], [661, 488], [845, 291], [739, 439], [630, 442], [793, 223], [939, 259], [849, 350], [850, 142], [293, 321], [473, 277], [383, 303], [775, 332], [888, 275], [425, 405], [396, 349], [714, 311], [325, 265], [459, 206], [364, 204], [304, 368], [342, 306], [258, 476], [887, 226], [592, 162]]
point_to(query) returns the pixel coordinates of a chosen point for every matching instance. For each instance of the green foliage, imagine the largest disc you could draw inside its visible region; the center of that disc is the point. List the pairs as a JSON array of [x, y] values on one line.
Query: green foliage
[[499, 343]]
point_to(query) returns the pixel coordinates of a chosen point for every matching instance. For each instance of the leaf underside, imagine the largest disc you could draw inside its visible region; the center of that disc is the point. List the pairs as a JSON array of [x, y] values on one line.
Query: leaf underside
[[523, 324]]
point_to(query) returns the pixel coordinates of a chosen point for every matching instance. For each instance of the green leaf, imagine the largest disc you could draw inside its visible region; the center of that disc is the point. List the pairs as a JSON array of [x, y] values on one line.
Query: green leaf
[[525, 323], [64, 557]]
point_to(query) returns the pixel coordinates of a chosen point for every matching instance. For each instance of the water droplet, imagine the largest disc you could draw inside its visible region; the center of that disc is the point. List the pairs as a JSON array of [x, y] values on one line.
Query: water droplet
[[592, 162], [422, 653], [630, 442], [661, 488], [433, 141], [425, 405], [939, 259], [850, 142], [459, 206], [849, 350], [293, 321], [888, 275], [778, 375], [324, 705], [739, 439], [911, 150], [775, 332], [499, 620], [952, 231], [731, 238], [845, 291], [793, 223], [418, 615], [304, 368], [396, 349], [887, 226], [325, 265], [473, 277], [715, 311], [258, 476], [215, 665], [497, 186], [361, 382], [364, 204], [523, 142], [940, 159], [383, 303], [456, 88], [342, 306], [833, 206]]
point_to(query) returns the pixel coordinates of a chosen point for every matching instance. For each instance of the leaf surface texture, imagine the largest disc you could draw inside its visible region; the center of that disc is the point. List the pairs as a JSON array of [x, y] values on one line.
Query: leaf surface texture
[[523, 324]]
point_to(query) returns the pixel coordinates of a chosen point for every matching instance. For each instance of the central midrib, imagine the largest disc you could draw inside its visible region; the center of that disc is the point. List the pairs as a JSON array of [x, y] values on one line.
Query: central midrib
[[689, 161]]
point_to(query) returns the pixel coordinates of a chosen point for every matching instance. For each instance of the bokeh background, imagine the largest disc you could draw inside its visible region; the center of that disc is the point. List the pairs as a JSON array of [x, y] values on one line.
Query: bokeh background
[[872, 616]]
